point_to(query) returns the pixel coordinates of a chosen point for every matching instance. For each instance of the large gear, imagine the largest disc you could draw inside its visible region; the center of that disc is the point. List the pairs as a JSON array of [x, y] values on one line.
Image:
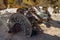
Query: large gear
[[23, 21]]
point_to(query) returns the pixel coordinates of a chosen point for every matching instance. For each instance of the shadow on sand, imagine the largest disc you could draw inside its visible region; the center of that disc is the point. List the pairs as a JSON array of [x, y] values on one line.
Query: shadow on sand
[[53, 23], [43, 37]]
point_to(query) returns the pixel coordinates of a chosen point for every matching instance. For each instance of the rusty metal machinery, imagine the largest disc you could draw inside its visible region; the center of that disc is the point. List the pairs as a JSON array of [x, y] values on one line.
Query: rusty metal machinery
[[28, 19]]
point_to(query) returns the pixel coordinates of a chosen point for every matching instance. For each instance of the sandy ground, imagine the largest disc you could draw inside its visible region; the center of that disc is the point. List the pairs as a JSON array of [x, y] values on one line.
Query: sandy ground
[[49, 33]]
